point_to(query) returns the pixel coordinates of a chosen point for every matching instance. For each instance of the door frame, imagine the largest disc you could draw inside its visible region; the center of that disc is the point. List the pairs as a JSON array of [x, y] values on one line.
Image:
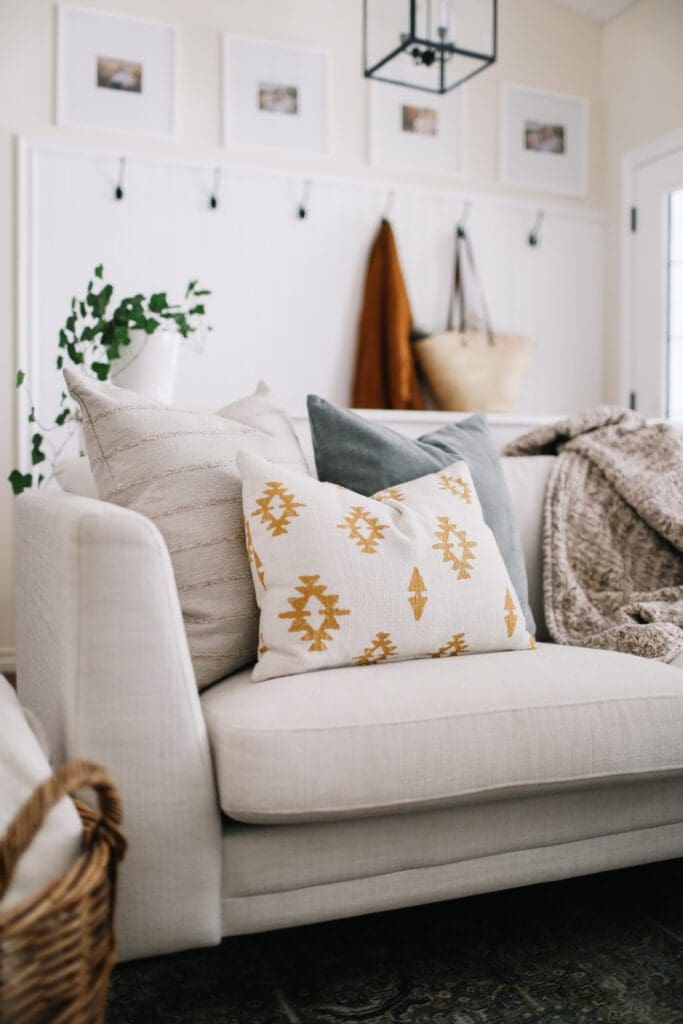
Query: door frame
[[631, 162]]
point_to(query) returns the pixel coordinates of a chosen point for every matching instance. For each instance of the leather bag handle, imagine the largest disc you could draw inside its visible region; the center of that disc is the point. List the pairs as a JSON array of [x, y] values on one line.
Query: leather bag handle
[[462, 242]]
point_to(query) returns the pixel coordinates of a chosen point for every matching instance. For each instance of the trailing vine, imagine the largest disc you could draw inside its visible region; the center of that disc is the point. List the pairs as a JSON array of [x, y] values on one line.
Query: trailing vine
[[93, 338]]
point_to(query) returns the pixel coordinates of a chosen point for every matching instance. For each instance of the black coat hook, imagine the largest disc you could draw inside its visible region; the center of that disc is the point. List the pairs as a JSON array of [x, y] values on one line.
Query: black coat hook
[[305, 196], [213, 201], [464, 217], [535, 233], [118, 191], [389, 205]]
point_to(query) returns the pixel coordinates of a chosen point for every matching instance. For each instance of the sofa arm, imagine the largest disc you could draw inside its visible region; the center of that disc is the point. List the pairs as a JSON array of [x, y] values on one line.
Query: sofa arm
[[102, 659]]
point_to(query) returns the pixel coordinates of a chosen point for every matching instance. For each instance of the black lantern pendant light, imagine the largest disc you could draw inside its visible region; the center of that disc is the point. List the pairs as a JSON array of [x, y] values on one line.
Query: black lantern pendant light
[[433, 45]]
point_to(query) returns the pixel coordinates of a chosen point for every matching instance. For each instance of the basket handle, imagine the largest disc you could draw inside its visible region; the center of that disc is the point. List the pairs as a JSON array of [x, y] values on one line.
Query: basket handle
[[31, 815]]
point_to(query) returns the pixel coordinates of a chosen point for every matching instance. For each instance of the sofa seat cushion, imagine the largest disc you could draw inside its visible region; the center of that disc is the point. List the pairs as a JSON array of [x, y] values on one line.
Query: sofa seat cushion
[[399, 736]]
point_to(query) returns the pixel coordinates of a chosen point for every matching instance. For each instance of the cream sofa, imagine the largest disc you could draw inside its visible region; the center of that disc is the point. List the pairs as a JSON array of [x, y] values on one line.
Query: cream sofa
[[301, 799]]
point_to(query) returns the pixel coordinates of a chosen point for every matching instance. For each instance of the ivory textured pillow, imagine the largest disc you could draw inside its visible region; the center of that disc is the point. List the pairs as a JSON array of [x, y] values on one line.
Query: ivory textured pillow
[[412, 572], [179, 469]]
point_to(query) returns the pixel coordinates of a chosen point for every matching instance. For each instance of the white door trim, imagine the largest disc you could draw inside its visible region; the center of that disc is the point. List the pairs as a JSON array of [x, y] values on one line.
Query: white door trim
[[630, 163]]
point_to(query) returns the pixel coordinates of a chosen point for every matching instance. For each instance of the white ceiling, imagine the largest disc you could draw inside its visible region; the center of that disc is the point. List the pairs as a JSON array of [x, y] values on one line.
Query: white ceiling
[[598, 10]]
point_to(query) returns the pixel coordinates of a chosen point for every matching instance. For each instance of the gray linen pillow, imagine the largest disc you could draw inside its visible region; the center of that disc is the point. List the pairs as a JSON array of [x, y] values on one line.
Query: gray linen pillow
[[368, 457]]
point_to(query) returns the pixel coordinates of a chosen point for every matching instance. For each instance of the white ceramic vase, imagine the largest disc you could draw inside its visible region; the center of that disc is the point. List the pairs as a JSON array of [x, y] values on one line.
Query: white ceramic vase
[[149, 365]]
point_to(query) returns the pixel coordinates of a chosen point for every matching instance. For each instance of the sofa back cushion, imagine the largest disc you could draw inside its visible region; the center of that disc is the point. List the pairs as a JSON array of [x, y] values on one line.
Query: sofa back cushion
[[527, 479], [178, 468]]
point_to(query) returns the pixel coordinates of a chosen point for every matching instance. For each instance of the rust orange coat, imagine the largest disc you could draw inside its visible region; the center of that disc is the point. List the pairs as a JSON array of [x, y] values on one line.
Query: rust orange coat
[[386, 375]]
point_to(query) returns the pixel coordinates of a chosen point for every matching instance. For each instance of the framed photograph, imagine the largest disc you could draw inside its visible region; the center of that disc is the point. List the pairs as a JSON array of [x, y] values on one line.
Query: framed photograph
[[114, 72], [544, 140], [416, 130], [275, 95]]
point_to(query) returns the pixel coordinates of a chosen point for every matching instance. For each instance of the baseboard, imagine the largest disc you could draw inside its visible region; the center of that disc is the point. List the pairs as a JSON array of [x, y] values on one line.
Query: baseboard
[[8, 659]]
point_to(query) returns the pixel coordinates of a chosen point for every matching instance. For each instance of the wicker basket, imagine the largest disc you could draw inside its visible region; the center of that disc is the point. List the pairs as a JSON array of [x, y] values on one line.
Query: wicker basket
[[57, 948]]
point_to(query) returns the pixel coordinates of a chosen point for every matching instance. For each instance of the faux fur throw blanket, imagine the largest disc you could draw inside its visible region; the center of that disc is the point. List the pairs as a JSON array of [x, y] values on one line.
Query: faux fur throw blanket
[[613, 532]]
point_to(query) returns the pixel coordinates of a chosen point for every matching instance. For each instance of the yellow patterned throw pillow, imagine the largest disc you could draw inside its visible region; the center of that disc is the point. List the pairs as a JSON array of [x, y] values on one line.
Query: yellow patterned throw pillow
[[342, 579]]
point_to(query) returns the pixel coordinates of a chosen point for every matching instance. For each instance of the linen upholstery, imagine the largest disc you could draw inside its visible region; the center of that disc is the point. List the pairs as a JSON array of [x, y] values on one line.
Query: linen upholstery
[[23, 766], [278, 858], [527, 479], [178, 469], [90, 574], [243, 914], [420, 734], [411, 572], [368, 457], [75, 477], [102, 660]]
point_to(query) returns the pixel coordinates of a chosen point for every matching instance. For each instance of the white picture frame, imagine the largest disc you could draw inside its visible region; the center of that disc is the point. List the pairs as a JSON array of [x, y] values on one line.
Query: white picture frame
[[416, 130], [544, 140], [114, 72], [275, 96]]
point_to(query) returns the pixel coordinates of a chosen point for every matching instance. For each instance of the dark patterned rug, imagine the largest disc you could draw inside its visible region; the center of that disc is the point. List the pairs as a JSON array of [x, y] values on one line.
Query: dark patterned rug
[[608, 948]]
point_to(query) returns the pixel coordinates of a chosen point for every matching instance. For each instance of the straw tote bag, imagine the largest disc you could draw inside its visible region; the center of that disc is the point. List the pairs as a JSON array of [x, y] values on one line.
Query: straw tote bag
[[471, 369]]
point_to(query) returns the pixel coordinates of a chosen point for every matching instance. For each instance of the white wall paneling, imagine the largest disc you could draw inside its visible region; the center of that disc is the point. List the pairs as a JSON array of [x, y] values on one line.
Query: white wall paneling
[[287, 292]]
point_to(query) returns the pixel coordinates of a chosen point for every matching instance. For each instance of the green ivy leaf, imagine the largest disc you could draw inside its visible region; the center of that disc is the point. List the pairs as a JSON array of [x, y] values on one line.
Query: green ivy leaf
[[98, 271], [32, 415], [60, 362], [150, 324], [19, 481], [190, 288], [101, 370], [36, 454], [63, 416], [21, 377], [75, 356], [157, 302]]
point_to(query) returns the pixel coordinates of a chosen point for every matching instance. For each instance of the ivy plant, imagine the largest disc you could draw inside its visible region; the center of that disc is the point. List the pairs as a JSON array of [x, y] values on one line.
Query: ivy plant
[[94, 336]]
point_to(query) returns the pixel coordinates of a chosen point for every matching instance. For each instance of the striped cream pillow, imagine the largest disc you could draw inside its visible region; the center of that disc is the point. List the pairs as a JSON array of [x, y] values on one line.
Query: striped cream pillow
[[178, 468]]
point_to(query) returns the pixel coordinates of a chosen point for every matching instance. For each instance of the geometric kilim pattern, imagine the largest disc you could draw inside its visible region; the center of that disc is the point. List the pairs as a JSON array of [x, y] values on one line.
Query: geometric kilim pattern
[[456, 645], [380, 649], [462, 563], [252, 554], [460, 488], [276, 507], [510, 616], [364, 528], [418, 594], [390, 494], [314, 613]]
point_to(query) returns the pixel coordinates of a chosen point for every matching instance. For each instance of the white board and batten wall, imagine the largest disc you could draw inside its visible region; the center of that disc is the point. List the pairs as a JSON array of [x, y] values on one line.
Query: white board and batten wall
[[287, 291]]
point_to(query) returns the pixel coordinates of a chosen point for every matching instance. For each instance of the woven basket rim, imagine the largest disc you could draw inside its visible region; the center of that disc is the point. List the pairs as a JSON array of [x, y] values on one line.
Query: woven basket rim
[[12, 915]]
